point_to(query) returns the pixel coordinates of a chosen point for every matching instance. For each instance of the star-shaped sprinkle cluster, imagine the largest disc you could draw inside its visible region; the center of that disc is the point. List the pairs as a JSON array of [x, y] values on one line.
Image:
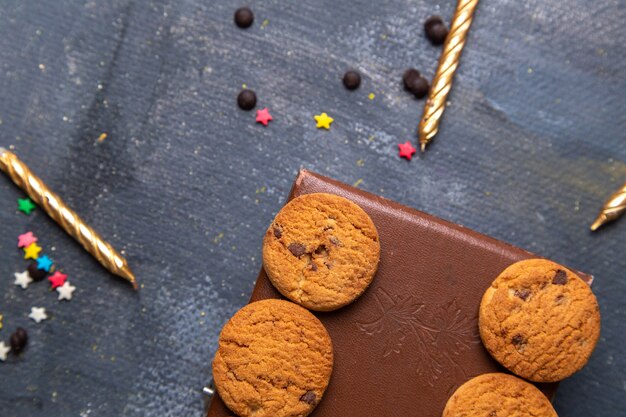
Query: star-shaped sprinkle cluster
[[263, 116], [406, 150], [38, 314], [43, 264], [39, 268], [323, 121], [25, 205]]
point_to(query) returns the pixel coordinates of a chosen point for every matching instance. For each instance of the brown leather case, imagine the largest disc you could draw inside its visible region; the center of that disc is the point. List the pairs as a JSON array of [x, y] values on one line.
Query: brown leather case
[[411, 339]]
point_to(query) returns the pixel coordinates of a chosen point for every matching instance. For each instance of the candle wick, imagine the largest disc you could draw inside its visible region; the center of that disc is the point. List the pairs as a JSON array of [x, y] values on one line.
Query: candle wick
[[598, 222]]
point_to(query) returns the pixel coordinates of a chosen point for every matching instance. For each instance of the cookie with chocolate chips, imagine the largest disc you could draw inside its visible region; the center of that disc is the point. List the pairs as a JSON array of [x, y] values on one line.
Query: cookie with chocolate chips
[[539, 320], [321, 251], [274, 359], [498, 394]]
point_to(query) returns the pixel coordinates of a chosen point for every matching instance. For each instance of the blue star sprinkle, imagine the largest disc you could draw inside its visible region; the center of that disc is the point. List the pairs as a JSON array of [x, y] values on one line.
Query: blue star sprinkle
[[44, 262]]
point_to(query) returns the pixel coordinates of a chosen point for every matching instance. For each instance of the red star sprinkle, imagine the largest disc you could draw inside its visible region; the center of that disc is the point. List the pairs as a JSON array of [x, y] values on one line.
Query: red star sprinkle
[[26, 240], [406, 150], [263, 116], [57, 279]]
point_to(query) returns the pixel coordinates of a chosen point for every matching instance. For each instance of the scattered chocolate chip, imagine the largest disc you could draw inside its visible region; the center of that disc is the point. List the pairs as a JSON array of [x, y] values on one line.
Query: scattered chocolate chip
[[415, 83], [408, 76], [246, 100], [432, 20], [297, 249], [309, 397], [519, 341], [244, 17], [278, 232], [436, 30], [523, 294], [559, 299], [560, 278], [321, 250], [438, 34], [18, 340], [35, 273], [313, 266], [334, 240], [351, 80], [420, 87]]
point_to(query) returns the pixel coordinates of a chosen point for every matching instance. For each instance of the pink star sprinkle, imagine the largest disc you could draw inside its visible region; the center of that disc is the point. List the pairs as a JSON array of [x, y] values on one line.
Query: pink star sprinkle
[[26, 240]]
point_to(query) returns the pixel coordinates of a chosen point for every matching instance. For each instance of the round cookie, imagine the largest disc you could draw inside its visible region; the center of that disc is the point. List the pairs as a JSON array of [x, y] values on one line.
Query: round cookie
[[321, 251], [274, 359], [539, 320], [498, 395]]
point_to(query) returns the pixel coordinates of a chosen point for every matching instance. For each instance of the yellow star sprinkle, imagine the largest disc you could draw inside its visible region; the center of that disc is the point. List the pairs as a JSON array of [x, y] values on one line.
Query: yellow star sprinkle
[[323, 120], [32, 251]]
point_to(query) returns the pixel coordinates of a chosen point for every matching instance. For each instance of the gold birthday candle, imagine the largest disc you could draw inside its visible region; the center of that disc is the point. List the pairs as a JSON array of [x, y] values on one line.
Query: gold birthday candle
[[52, 204], [614, 207], [448, 63]]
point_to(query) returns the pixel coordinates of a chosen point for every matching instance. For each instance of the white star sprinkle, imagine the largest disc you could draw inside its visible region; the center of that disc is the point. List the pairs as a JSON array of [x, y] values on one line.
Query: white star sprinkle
[[65, 291], [4, 349], [22, 279], [38, 314]]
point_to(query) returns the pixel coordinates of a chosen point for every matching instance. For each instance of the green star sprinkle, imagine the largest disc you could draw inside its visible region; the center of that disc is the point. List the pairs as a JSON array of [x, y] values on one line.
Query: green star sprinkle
[[25, 205]]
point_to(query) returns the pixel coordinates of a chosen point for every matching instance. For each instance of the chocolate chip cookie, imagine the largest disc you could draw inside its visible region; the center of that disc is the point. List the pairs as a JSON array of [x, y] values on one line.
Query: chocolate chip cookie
[[498, 395], [539, 320], [321, 251], [274, 359]]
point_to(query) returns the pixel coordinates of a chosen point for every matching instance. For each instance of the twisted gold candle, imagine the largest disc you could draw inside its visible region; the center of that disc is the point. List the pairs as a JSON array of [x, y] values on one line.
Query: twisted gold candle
[[23, 177], [448, 63], [614, 207]]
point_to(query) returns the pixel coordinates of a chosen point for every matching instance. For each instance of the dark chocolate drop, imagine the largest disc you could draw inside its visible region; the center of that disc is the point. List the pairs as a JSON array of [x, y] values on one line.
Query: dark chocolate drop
[[35, 273], [18, 340], [246, 100], [244, 17], [352, 80], [436, 30]]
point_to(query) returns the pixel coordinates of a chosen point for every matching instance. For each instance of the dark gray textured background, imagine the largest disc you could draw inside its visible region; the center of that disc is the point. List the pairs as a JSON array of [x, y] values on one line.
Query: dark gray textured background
[[532, 143]]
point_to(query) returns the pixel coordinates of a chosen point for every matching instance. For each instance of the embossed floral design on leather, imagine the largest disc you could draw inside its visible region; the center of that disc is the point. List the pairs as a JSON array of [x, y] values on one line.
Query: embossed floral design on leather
[[440, 333]]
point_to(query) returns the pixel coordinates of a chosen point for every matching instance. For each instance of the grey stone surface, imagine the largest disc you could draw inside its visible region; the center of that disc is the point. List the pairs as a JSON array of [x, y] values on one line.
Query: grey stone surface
[[186, 183]]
